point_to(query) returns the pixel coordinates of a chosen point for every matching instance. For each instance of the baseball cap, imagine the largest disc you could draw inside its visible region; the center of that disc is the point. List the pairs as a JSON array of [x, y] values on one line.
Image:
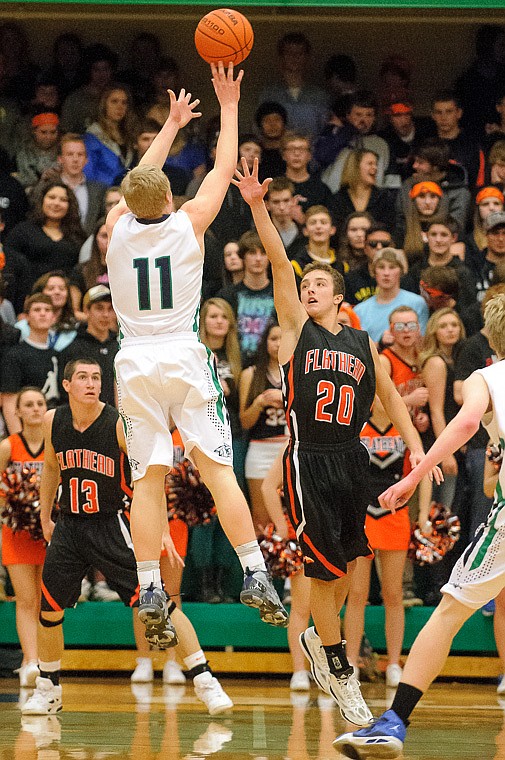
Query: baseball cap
[[95, 294], [494, 220]]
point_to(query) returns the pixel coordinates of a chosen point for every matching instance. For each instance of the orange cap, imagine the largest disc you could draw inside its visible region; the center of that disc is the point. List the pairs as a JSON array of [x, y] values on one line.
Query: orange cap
[[396, 109], [425, 187], [489, 192], [353, 317], [45, 118]]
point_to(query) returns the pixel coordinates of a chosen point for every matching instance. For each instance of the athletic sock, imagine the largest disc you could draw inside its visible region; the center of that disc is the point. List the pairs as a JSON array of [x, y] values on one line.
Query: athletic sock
[[50, 670], [197, 658], [250, 556], [337, 658], [149, 572], [406, 698]]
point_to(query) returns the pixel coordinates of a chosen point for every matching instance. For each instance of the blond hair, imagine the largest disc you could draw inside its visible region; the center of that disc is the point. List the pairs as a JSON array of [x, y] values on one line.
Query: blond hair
[[430, 343], [145, 189], [351, 170], [494, 319], [231, 343]]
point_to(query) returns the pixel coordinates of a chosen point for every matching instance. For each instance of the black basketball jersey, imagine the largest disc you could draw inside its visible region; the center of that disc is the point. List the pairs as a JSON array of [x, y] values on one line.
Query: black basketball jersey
[[271, 422], [95, 474], [328, 385]]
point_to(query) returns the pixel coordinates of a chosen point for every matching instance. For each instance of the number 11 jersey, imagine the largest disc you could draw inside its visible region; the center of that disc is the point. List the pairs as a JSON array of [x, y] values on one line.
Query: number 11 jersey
[[155, 272], [328, 385]]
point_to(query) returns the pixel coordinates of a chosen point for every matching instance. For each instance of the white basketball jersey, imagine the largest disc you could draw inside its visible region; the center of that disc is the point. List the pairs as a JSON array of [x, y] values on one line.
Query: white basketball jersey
[[495, 381], [155, 275]]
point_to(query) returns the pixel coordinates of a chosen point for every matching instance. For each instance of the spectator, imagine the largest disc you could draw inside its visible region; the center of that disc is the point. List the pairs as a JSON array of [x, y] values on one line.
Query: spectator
[[262, 415], [10, 119], [13, 268], [351, 248], [318, 231], [63, 330], [94, 270], [305, 104], [444, 333], [431, 162], [52, 236], [7, 313], [271, 121], [72, 158], [440, 236], [359, 191], [357, 133], [40, 151], [477, 88], [145, 134], [402, 134], [495, 130], [20, 72], [283, 208], [112, 196], [424, 205], [13, 201], [94, 340], [46, 97], [252, 300], [164, 78], [387, 267], [493, 254], [495, 169], [80, 109], [109, 140], [309, 189], [488, 200], [439, 286], [218, 331], [66, 68], [340, 74], [475, 353], [233, 264], [30, 362], [360, 282], [144, 53], [393, 85], [446, 112]]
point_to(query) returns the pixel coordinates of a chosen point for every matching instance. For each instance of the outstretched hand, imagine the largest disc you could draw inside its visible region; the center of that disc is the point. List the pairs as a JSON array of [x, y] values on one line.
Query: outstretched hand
[[249, 185], [226, 88], [181, 110]]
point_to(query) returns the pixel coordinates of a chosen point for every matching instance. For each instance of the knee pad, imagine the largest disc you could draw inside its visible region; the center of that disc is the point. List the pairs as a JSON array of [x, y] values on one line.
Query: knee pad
[[50, 623]]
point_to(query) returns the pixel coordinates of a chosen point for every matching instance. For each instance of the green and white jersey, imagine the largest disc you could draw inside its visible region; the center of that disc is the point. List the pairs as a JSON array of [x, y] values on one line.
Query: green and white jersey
[[494, 422], [155, 275]]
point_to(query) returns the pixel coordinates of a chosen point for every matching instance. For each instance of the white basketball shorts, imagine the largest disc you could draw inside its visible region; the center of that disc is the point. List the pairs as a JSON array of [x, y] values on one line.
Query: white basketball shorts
[[174, 375], [479, 574]]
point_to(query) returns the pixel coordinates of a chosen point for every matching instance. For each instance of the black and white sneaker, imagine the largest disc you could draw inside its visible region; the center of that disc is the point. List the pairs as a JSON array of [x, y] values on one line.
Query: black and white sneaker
[[153, 612], [258, 591]]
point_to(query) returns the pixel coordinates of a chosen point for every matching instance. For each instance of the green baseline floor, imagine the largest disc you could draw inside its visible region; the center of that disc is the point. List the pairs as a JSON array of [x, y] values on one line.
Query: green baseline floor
[[108, 625]]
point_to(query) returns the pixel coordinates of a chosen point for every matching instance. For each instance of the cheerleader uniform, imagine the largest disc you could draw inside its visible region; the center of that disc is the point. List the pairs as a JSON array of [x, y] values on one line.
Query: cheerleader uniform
[[266, 438], [20, 548]]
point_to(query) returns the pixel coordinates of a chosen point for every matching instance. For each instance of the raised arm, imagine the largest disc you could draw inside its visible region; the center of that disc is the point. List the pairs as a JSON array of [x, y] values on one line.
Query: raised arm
[[203, 208], [50, 479], [290, 311], [182, 111]]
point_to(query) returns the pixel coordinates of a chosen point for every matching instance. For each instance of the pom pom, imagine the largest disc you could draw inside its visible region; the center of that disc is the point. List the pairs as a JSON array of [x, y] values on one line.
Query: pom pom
[[22, 508], [188, 498], [494, 453], [427, 549], [283, 558]]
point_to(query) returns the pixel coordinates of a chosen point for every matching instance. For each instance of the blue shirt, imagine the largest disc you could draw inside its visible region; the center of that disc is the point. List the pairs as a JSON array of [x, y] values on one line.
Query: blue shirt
[[374, 316]]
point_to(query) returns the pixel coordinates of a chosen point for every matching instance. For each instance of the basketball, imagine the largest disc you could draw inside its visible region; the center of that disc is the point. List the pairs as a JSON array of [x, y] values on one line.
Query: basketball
[[224, 35]]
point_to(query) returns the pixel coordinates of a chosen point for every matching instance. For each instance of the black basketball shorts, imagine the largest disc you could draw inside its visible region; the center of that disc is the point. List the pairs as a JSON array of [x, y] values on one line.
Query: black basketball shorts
[[102, 542], [327, 492]]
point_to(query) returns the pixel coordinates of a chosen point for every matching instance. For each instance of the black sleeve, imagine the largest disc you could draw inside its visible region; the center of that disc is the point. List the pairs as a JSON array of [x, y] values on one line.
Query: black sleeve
[[229, 293], [12, 372]]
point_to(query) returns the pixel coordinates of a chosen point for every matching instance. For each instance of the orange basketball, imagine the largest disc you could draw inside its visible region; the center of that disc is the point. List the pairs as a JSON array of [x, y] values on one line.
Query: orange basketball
[[224, 35]]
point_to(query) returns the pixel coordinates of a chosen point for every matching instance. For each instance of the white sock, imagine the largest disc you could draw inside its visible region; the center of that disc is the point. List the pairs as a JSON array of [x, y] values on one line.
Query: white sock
[[198, 658], [149, 572], [50, 667], [250, 556], [143, 659]]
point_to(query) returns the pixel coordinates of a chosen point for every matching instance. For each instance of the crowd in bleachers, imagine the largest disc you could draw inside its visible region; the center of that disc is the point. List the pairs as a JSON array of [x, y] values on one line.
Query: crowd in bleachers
[[408, 207]]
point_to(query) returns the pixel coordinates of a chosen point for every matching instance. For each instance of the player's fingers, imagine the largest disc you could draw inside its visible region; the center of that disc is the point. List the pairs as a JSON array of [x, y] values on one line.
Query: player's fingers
[[182, 94], [195, 103], [240, 76], [245, 168], [220, 68], [266, 183], [230, 72]]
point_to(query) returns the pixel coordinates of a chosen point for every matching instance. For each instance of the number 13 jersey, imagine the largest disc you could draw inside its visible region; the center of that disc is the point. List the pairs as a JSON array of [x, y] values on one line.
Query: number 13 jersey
[[328, 385], [155, 275]]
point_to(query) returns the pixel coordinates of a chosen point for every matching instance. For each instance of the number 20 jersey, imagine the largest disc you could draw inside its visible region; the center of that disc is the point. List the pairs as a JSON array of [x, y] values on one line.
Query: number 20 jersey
[[155, 275], [328, 386]]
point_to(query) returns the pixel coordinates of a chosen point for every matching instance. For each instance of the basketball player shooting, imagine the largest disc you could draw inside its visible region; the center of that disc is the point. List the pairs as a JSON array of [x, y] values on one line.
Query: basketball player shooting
[[331, 374], [155, 264]]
